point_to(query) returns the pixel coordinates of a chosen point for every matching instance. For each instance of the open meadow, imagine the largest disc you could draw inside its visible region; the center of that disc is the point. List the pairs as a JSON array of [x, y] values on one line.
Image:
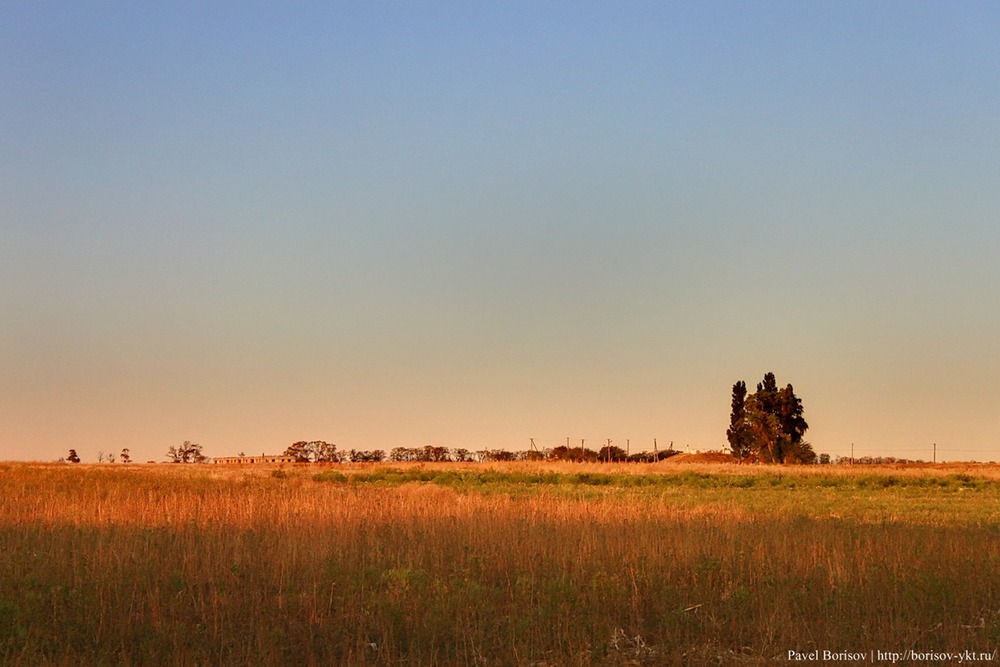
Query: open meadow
[[493, 564]]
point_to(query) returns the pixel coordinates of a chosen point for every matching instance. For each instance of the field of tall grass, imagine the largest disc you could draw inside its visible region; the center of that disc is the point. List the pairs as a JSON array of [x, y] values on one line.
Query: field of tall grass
[[521, 564]]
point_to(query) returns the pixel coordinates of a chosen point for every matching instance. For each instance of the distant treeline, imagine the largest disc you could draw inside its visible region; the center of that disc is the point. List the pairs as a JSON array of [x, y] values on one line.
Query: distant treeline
[[327, 453], [323, 452], [611, 454], [874, 460]]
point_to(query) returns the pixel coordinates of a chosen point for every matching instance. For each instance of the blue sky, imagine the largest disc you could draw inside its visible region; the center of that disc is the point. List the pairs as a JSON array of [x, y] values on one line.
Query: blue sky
[[469, 224]]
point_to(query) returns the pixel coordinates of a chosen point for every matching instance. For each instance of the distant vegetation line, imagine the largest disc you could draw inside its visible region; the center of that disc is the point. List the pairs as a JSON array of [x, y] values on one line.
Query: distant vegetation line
[[766, 426], [319, 451]]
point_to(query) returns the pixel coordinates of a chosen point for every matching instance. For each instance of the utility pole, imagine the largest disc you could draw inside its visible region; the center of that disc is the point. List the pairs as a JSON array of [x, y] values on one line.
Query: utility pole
[[852, 453], [609, 450], [935, 452], [628, 450], [656, 454]]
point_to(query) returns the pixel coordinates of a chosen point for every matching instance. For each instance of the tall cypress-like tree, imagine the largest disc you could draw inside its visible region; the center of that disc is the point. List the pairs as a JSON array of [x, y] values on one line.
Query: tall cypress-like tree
[[738, 435], [793, 427], [769, 424], [767, 394]]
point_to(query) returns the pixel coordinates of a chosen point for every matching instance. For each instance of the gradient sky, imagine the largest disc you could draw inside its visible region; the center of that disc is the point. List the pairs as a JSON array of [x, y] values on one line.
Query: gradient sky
[[471, 224]]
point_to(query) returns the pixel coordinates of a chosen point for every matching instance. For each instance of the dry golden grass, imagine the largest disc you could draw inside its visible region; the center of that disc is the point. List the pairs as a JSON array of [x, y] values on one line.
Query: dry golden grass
[[499, 564]]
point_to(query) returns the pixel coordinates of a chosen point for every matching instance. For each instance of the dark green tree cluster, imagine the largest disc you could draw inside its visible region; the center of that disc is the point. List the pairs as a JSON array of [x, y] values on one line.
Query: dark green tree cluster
[[366, 456], [768, 425], [189, 452], [314, 451], [425, 454], [607, 454]]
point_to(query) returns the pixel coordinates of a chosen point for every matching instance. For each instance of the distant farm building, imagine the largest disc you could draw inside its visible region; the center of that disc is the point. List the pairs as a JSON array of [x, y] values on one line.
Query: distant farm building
[[263, 458]]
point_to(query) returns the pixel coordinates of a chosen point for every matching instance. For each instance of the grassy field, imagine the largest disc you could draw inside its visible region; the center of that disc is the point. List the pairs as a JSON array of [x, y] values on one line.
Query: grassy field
[[521, 564]]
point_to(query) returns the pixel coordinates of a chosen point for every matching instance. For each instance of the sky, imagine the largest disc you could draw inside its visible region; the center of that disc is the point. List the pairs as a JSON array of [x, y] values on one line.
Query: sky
[[388, 224]]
